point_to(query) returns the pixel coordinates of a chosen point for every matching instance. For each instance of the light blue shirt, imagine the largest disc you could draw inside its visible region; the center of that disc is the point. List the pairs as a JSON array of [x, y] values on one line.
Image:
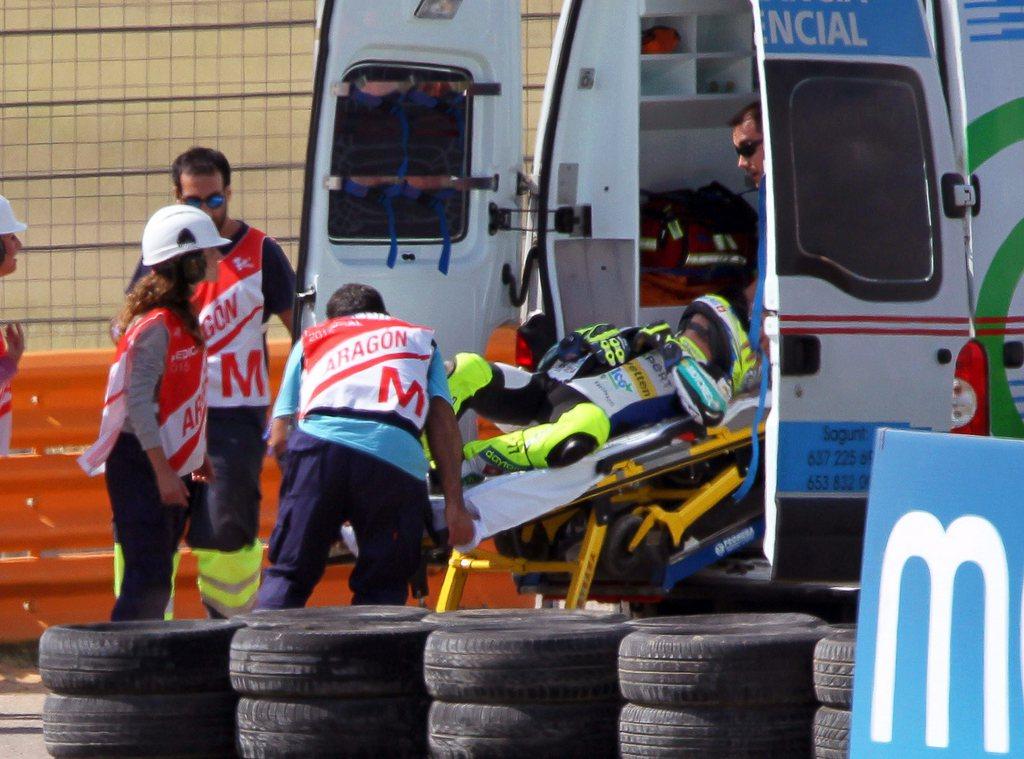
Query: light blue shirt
[[379, 439]]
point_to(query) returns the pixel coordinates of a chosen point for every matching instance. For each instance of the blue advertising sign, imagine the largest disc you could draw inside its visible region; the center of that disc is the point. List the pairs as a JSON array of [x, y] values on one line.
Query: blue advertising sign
[[938, 670], [844, 27], [826, 457]]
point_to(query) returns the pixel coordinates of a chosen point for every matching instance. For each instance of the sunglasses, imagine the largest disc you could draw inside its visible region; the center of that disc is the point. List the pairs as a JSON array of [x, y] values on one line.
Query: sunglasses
[[213, 202], [748, 148]]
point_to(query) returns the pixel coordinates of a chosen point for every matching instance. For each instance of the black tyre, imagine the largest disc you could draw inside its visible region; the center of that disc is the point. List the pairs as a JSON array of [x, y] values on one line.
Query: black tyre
[[833, 669], [182, 724], [505, 617], [733, 732], [346, 659], [831, 733], [186, 656], [523, 663], [694, 624], [644, 564], [322, 727], [327, 614], [699, 662], [497, 731], [511, 543]]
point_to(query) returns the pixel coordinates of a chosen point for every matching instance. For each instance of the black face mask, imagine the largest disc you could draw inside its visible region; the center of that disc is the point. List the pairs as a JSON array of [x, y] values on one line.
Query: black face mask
[[193, 267], [189, 268]]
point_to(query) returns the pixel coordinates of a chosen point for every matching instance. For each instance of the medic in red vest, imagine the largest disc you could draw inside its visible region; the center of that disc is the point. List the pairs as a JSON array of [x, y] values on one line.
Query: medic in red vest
[[152, 439]]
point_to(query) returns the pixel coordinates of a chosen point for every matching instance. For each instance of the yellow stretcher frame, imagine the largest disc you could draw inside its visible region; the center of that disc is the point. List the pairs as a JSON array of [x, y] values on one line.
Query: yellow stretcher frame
[[625, 482]]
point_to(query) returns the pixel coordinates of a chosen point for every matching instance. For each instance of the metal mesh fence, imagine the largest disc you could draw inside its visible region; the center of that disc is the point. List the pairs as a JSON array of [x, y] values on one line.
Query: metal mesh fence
[[97, 97]]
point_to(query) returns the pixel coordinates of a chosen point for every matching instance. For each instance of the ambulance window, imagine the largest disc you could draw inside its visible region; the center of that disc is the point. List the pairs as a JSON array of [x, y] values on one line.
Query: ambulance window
[[400, 131], [853, 178]]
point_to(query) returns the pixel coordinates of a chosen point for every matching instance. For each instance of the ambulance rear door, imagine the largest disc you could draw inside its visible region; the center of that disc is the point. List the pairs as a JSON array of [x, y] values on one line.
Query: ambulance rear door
[[866, 284], [984, 54], [415, 137]]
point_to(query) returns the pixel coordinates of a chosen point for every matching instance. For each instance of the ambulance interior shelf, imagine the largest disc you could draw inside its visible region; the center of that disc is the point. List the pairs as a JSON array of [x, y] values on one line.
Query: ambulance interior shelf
[[706, 75]]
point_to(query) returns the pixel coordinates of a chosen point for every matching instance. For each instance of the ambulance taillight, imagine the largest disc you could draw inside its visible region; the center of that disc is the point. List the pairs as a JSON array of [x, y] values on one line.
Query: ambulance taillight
[[970, 391], [524, 353]]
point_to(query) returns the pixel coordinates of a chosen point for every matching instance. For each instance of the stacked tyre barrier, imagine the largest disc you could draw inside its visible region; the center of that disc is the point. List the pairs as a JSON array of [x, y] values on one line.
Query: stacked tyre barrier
[[138, 689], [833, 685], [539, 683], [720, 686], [344, 682]]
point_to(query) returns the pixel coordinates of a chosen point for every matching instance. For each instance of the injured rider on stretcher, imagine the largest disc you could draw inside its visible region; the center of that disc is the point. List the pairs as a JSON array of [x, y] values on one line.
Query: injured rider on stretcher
[[601, 381]]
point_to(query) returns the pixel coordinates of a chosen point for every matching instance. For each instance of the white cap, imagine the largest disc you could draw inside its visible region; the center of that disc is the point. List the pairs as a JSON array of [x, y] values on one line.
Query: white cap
[[175, 230], [8, 224]]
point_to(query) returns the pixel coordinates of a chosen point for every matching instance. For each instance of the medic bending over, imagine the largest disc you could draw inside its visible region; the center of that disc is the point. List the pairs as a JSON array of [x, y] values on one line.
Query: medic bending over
[[363, 386], [601, 381]]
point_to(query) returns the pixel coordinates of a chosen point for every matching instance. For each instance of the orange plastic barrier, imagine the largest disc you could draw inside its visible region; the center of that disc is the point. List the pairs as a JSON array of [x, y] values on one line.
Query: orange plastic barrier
[[56, 520]]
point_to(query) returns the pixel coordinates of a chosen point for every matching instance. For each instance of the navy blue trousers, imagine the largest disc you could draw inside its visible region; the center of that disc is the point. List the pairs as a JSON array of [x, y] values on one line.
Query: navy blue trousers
[[324, 485], [225, 515], [147, 531]]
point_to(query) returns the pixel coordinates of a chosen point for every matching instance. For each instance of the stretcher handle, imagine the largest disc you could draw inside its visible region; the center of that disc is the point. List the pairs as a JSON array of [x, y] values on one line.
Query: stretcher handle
[[670, 433]]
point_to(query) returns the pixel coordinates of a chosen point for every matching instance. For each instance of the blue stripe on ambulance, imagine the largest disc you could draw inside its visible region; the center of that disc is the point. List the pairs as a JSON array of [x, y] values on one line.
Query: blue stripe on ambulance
[[823, 27]]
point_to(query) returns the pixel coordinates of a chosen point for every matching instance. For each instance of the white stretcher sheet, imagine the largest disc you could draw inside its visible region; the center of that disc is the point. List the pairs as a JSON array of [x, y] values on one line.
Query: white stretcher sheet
[[509, 500]]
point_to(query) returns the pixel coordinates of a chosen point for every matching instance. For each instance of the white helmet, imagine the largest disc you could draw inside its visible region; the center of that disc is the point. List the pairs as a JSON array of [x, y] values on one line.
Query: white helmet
[[8, 224], [175, 230]]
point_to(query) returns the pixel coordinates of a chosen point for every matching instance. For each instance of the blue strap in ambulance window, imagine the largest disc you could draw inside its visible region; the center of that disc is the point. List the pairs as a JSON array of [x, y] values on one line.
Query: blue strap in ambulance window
[[354, 188], [387, 198], [364, 98], [756, 318], [437, 203], [420, 98]]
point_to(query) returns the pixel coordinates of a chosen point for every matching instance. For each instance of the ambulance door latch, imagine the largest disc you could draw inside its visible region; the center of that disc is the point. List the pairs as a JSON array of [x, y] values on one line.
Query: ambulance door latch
[[959, 195], [574, 221]]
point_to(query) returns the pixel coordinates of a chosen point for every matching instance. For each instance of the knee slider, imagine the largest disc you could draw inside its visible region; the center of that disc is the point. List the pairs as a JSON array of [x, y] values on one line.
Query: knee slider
[[571, 450], [579, 431]]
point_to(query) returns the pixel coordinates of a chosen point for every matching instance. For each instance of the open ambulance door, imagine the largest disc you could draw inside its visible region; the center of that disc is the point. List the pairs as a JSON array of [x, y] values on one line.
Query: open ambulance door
[[586, 165], [866, 286], [415, 135], [992, 125]]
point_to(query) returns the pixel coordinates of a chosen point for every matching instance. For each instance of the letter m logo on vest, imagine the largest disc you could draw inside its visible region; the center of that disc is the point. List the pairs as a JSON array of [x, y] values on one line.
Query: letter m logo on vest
[[390, 379], [231, 374]]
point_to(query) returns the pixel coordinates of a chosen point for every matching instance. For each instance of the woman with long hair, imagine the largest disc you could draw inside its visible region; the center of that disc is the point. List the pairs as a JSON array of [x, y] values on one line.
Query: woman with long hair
[[152, 441]]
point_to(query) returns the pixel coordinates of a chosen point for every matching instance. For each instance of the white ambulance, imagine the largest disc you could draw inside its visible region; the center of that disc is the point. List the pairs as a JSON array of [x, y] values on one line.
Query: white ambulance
[[893, 233]]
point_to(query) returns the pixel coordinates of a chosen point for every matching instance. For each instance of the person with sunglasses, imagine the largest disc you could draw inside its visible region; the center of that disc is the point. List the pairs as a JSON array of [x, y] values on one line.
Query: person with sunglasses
[[12, 336], [748, 141], [152, 438], [254, 282]]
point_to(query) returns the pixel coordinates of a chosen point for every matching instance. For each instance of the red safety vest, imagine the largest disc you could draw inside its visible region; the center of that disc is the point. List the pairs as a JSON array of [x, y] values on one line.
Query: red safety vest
[[231, 317], [367, 365], [180, 403], [5, 411]]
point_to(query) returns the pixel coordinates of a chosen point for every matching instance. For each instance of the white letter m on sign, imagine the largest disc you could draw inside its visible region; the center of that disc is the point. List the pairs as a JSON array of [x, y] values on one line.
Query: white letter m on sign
[[969, 539]]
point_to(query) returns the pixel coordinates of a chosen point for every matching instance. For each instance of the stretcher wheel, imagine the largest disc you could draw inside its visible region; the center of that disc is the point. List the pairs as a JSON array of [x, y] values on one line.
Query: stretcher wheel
[[511, 543], [646, 563]]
